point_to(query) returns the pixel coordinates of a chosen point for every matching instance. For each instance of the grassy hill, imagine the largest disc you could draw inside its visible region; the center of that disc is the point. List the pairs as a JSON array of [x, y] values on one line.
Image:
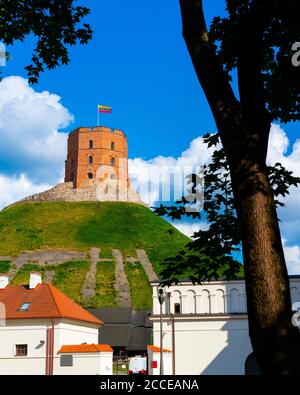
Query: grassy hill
[[80, 226]]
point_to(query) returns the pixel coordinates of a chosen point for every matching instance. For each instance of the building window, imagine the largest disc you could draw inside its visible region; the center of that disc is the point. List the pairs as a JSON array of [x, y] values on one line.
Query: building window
[[177, 308], [21, 350], [66, 360], [112, 161], [90, 159], [91, 144], [112, 146], [112, 177], [90, 176]]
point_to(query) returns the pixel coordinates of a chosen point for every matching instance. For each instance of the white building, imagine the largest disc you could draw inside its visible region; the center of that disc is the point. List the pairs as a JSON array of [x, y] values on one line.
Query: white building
[[42, 331], [210, 327]]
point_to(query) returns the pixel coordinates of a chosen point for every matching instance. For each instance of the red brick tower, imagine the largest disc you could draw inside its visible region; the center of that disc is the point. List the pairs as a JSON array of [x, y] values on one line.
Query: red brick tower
[[96, 153]]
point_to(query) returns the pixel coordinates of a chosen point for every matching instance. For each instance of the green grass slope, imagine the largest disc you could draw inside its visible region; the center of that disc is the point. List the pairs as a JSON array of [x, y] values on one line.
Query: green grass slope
[[80, 226]]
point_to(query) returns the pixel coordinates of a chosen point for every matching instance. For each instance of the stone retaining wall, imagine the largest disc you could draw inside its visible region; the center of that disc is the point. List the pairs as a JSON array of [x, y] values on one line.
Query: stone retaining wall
[[90, 192]]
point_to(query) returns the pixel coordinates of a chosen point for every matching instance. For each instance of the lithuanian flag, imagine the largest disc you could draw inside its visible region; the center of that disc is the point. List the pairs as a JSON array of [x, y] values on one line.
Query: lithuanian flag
[[104, 109]]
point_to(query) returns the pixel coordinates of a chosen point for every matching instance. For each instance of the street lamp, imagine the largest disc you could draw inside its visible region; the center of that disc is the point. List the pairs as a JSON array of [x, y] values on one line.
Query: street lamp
[[161, 298], [172, 318]]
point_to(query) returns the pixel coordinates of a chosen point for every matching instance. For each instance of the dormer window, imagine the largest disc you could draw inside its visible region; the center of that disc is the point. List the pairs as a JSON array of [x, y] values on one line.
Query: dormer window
[[25, 306]]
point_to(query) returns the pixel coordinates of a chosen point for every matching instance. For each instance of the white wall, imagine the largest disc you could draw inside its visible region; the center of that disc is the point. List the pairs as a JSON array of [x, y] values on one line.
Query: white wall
[[167, 363], [32, 332], [211, 333], [213, 297], [14, 333], [86, 364], [208, 346], [68, 332]]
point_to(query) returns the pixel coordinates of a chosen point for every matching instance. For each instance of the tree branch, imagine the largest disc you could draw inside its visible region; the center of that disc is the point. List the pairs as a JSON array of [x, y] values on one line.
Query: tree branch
[[210, 73], [250, 80]]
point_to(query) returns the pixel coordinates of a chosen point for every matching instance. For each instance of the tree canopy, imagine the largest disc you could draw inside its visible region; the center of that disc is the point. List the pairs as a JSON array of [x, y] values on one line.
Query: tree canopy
[[55, 24]]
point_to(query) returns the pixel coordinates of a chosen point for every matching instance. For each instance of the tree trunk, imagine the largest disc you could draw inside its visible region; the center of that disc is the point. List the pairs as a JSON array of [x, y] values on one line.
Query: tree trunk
[[275, 341], [243, 127]]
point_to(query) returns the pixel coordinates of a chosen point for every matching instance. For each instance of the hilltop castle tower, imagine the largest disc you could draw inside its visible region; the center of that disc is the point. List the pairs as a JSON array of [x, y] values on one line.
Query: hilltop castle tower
[[96, 153], [96, 169]]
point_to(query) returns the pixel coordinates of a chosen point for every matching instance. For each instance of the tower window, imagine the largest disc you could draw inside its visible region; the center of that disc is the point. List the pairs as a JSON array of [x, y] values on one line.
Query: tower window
[[90, 159], [113, 161], [91, 144], [90, 176], [112, 145]]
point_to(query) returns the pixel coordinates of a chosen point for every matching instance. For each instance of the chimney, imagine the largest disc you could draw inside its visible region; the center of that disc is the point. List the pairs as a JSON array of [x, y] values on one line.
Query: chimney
[[35, 279], [4, 280]]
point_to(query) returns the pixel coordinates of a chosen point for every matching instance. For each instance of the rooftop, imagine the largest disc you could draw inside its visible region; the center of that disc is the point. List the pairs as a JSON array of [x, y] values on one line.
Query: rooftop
[[81, 348], [45, 301]]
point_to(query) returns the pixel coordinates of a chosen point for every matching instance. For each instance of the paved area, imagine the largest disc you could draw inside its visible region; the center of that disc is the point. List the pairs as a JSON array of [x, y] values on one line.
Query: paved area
[[121, 284], [147, 265], [89, 286], [52, 257]]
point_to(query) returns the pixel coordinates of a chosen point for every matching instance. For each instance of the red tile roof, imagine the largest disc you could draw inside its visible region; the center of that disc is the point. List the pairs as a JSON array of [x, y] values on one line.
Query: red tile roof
[[78, 348], [45, 300], [157, 349]]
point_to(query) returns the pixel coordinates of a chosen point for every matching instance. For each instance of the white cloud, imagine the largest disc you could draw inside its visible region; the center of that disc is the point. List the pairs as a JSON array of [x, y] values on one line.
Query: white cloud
[[29, 139], [189, 228], [198, 154], [277, 152], [15, 188], [292, 257], [152, 177]]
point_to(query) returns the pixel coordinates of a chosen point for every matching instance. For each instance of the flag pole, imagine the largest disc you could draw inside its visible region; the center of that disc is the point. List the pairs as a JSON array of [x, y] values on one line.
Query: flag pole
[[97, 116]]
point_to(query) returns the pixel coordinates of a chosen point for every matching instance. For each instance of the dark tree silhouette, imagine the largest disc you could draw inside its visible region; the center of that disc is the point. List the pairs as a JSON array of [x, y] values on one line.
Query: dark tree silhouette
[[55, 23], [214, 251], [255, 39]]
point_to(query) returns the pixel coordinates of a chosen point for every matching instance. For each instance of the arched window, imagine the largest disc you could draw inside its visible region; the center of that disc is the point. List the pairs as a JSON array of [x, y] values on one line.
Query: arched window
[[91, 144], [176, 302], [90, 159], [205, 302], [234, 301], [219, 302], [112, 146], [190, 302], [113, 161], [177, 308], [90, 176]]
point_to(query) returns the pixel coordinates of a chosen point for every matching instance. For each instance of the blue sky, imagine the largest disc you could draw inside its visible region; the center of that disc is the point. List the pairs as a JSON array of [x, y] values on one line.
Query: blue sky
[[138, 64]]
